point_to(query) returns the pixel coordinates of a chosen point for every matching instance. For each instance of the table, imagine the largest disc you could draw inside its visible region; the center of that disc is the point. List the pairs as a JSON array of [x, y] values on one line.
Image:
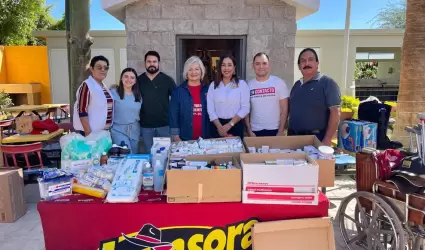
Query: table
[[31, 138], [86, 223], [32, 108]]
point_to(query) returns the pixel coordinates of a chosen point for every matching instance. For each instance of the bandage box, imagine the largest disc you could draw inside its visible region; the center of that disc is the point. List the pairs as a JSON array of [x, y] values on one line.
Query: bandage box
[[355, 135]]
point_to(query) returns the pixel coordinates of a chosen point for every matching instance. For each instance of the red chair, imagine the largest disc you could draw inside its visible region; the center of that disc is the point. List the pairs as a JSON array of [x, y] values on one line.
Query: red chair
[[26, 150], [7, 125]]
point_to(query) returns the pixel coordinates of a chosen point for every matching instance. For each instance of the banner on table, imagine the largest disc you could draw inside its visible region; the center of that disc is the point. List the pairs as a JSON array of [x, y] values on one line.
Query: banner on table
[[236, 236]]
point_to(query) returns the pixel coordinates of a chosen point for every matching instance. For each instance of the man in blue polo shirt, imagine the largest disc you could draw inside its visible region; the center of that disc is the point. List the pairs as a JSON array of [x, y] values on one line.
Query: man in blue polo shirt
[[314, 102]]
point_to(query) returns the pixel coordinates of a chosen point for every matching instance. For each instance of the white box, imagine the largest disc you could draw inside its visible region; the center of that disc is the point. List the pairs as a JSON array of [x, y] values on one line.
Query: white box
[[280, 198], [279, 178]]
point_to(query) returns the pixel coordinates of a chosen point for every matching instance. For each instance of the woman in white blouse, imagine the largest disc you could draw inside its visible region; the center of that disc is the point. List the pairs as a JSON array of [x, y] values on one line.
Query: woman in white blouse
[[227, 101]]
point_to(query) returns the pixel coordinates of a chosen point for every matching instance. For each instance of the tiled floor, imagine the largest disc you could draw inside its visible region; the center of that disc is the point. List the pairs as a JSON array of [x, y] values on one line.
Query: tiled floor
[[27, 233]]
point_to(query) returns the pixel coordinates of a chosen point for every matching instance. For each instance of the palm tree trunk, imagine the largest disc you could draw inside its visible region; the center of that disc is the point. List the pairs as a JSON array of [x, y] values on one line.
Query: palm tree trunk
[[411, 95], [79, 42]]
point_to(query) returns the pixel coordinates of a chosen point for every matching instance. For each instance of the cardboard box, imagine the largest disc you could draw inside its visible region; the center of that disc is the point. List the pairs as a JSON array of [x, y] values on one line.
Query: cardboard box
[[195, 186], [236, 154], [356, 135], [279, 184], [326, 167], [299, 234], [24, 123], [12, 200]]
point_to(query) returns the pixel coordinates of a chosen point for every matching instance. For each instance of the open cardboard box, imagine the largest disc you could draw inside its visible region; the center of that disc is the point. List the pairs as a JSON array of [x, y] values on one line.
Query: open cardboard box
[[279, 184], [12, 200], [195, 186], [326, 167], [299, 234], [236, 154]]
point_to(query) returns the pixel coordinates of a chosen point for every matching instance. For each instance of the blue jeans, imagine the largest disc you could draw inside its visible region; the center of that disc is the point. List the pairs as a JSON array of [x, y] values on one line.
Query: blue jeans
[[149, 133]]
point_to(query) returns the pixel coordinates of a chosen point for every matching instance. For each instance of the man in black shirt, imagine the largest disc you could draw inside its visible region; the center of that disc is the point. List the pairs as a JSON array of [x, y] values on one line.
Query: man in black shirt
[[155, 87]]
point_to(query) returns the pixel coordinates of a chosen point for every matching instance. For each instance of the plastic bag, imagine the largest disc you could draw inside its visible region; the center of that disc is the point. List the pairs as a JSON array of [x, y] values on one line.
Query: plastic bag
[[77, 147]]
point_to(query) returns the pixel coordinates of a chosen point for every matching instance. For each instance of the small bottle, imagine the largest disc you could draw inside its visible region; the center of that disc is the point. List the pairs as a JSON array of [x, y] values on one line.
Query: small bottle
[[96, 159], [147, 177], [103, 159]]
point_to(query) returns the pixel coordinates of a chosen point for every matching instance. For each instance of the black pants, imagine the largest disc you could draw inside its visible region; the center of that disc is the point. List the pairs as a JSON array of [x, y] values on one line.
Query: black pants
[[320, 134], [81, 132], [266, 132], [237, 130]]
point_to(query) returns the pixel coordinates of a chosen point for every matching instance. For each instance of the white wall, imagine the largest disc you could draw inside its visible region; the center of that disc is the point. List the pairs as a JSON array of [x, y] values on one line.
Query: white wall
[[111, 44], [331, 44]]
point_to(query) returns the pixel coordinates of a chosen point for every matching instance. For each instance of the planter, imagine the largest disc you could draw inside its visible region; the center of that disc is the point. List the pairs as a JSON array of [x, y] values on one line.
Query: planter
[[346, 115]]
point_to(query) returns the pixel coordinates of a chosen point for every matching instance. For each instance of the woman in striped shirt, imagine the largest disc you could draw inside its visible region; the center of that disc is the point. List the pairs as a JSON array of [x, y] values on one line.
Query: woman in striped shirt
[[94, 104]]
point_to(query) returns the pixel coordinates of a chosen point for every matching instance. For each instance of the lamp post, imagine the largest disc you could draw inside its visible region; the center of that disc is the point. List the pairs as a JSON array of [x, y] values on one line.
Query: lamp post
[[346, 46]]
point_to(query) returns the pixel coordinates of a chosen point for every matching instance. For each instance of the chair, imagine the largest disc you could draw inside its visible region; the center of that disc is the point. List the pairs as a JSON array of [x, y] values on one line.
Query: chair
[[26, 150], [7, 125]]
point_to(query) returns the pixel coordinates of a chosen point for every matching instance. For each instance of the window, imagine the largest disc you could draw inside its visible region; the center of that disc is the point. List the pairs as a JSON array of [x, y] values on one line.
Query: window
[[375, 56]]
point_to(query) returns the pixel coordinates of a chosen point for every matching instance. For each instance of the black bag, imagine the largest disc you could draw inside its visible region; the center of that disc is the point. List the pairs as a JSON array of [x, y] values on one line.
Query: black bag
[[379, 113]]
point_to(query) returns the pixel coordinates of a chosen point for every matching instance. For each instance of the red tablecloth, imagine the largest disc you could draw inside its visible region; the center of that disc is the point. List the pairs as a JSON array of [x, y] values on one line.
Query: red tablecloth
[[83, 223]]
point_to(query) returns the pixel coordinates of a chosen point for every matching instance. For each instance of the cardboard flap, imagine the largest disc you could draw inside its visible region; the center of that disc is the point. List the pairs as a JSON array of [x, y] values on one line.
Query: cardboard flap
[[247, 158], [299, 234], [282, 142]]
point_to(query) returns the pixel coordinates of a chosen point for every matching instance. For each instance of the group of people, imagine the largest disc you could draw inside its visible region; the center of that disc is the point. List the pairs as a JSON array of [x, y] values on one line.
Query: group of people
[[151, 105]]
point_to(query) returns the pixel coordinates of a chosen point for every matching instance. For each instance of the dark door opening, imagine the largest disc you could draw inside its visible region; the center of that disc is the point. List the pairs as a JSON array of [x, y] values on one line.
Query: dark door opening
[[210, 49]]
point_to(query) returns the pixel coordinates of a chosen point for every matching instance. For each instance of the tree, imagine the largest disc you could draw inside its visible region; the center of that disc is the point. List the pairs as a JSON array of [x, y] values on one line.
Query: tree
[[79, 43], [393, 16], [365, 70], [411, 93], [59, 25], [18, 19]]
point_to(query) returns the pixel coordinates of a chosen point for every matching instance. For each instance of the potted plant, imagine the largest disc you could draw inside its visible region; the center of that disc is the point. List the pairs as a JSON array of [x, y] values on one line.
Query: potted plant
[[349, 107]]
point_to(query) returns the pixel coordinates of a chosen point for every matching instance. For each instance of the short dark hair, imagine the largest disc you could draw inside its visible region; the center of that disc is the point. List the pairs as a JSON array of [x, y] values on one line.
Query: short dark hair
[[219, 75], [152, 53], [95, 59], [305, 50], [260, 54]]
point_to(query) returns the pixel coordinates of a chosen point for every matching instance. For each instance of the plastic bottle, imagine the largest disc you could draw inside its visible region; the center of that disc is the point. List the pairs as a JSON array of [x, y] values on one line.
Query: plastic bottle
[[164, 156], [147, 177], [66, 164], [158, 177], [104, 159]]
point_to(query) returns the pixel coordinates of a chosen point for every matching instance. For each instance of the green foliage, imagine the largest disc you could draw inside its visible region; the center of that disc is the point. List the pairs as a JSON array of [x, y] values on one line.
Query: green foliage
[[393, 16], [350, 104], [19, 18], [59, 24], [365, 70], [5, 100]]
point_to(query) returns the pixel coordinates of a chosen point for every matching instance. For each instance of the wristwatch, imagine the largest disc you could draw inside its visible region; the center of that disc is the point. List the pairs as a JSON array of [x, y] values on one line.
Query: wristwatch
[[231, 123]]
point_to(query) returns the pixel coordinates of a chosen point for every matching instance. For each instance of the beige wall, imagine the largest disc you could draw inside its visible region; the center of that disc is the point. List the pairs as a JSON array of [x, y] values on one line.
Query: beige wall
[[329, 43]]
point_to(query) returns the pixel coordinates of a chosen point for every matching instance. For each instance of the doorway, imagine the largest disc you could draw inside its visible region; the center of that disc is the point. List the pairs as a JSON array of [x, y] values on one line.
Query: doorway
[[210, 49]]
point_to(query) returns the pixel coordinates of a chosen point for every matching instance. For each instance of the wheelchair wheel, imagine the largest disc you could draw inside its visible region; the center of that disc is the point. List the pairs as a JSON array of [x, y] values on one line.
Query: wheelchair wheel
[[372, 224]]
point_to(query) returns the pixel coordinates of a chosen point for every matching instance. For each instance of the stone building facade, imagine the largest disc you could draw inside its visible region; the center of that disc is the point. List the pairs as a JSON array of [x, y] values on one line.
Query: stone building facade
[[268, 25]]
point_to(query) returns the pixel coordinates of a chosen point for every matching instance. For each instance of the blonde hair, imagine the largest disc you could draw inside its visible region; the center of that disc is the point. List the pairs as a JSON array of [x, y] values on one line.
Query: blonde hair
[[189, 62]]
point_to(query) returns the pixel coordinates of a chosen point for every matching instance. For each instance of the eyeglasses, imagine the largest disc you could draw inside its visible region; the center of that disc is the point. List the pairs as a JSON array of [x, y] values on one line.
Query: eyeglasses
[[106, 68]]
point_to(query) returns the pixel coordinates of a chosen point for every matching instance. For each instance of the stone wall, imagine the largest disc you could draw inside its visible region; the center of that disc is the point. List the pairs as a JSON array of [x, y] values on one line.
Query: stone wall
[[270, 27]]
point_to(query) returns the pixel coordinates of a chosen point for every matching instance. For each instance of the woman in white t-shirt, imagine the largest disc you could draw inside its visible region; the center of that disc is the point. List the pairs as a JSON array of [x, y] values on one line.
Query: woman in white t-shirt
[[227, 101]]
